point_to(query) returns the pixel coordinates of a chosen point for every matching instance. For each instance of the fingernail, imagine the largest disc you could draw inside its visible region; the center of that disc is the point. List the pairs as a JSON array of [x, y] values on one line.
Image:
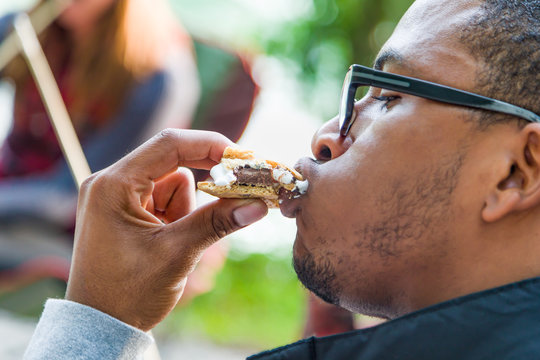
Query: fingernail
[[249, 213]]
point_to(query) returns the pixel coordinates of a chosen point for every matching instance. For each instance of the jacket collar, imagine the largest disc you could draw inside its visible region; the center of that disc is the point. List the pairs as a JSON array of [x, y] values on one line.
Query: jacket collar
[[494, 324]]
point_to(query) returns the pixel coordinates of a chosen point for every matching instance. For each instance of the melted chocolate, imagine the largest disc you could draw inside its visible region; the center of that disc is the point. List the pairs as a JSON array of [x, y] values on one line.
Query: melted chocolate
[[257, 177]]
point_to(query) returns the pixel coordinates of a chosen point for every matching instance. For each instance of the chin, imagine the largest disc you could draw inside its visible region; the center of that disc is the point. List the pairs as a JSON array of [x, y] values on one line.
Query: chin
[[318, 276]]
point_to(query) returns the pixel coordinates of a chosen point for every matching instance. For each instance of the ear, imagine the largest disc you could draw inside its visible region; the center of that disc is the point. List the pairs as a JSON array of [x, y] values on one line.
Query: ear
[[519, 186]]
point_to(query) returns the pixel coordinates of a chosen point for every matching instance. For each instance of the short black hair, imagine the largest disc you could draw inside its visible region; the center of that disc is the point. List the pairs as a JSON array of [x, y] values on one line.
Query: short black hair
[[505, 39]]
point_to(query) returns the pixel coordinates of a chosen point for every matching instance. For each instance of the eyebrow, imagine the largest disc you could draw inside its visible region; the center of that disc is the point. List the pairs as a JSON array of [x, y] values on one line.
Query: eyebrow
[[388, 56]]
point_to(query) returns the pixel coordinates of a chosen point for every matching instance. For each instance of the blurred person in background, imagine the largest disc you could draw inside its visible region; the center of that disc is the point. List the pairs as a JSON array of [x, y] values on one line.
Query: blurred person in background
[[126, 69]]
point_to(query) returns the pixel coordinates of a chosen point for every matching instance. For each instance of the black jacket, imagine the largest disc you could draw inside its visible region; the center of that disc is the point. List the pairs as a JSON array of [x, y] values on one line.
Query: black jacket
[[501, 323]]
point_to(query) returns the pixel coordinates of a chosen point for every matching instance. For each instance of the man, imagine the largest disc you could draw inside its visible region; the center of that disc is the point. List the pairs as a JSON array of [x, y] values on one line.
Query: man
[[418, 210]]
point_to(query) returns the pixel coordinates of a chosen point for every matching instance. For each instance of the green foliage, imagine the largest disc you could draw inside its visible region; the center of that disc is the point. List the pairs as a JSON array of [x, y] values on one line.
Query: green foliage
[[317, 43], [353, 29], [257, 302], [28, 301], [335, 34]]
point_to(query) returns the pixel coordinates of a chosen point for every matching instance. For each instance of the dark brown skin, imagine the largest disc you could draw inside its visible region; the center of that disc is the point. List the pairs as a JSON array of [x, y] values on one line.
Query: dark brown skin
[[416, 206], [138, 235]]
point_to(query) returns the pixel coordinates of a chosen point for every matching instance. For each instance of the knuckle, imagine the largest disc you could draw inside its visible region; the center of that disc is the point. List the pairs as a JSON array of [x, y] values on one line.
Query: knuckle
[[91, 184], [103, 184], [168, 134], [102, 180], [221, 226], [87, 184]]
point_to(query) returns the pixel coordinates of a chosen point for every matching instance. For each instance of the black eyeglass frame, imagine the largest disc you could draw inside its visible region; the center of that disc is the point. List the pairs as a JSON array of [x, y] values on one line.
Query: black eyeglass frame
[[359, 75]]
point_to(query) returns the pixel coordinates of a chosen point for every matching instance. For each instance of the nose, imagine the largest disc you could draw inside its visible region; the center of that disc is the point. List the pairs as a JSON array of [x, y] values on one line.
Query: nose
[[327, 143]]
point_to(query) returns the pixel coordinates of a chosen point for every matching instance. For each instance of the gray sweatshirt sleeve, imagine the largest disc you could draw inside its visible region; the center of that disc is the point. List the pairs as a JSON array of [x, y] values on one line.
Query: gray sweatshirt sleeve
[[68, 330]]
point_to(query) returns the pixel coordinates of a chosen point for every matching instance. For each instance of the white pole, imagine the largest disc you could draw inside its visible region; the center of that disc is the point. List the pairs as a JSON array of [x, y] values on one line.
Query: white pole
[[41, 17], [44, 78]]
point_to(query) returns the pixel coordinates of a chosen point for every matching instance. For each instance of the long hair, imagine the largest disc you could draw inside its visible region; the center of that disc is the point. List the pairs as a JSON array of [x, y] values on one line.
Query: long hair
[[128, 43]]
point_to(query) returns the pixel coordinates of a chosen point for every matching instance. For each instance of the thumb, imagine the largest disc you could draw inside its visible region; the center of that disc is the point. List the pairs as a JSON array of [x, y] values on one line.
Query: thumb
[[215, 220]]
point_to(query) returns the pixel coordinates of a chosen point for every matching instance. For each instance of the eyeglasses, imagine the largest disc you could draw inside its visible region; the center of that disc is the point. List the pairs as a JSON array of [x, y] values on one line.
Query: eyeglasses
[[359, 75]]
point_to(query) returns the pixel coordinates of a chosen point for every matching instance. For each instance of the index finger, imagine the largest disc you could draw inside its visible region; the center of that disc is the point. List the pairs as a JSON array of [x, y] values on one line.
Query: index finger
[[172, 148]]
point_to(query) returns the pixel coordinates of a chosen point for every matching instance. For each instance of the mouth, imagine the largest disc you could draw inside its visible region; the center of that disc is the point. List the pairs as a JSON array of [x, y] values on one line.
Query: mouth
[[290, 203]]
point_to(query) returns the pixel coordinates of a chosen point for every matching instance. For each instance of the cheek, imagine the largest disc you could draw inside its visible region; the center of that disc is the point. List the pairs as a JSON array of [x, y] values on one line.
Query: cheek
[[354, 195], [70, 16], [336, 203]]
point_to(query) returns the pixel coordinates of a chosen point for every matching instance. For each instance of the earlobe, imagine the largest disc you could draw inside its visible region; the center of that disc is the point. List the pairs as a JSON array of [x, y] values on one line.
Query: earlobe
[[499, 204], [506, 197]]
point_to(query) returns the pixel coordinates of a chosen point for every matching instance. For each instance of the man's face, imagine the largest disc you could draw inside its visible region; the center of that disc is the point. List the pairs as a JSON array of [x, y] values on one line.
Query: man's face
[[381, 213]]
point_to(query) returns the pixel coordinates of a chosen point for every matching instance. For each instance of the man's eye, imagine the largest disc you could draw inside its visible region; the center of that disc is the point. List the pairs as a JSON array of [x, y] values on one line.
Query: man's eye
[[386, 100]]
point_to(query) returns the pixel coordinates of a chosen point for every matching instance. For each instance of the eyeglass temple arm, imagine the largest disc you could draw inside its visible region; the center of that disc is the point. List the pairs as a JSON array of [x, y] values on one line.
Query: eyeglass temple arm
[[440, 93]]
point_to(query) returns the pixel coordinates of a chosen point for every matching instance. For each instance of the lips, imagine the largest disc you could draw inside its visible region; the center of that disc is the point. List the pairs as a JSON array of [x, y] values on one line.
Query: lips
[[289, 202]]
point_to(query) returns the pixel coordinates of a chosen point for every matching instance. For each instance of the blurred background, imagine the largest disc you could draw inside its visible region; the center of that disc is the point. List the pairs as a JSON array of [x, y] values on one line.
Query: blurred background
[[296, 53]]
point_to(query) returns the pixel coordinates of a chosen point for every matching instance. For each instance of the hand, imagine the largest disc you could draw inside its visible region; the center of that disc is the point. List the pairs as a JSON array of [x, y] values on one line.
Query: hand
[[138, 236]]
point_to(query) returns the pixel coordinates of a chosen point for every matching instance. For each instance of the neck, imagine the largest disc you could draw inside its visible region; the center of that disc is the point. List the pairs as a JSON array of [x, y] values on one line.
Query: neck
[[495, 258]]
